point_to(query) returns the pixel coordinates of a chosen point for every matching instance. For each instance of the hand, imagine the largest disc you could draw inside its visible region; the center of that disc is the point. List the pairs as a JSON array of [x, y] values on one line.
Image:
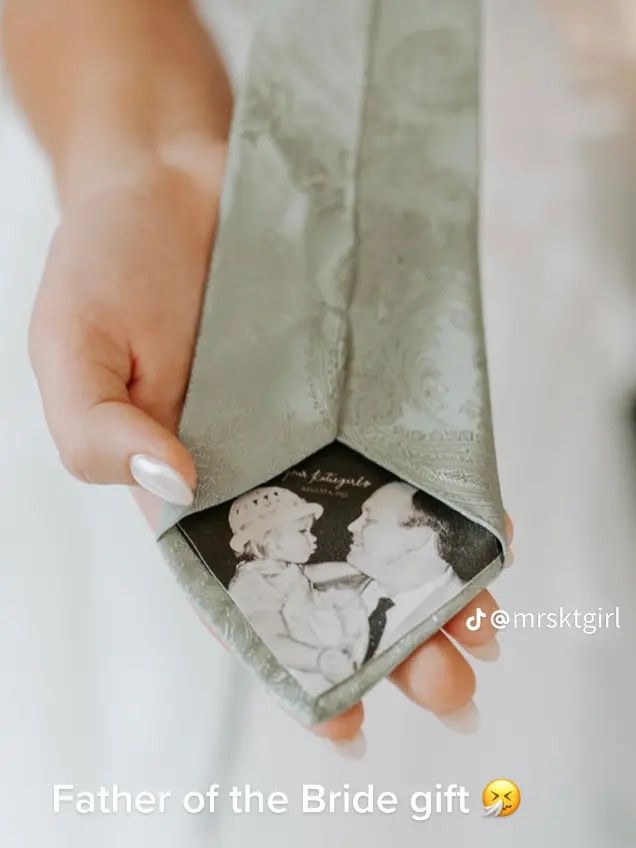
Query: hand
[[352, 619], [435, 676], [115, 321], [111, 342], [335, 664]]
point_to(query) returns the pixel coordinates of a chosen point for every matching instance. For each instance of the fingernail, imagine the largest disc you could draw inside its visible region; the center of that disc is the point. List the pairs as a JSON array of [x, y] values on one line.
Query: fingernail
[[352, 749], [465, 720], [488, 652], [161, 479], [509, 558]]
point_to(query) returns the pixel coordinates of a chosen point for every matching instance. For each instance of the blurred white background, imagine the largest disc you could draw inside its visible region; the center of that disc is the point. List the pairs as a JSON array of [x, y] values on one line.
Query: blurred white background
[[107, 674]]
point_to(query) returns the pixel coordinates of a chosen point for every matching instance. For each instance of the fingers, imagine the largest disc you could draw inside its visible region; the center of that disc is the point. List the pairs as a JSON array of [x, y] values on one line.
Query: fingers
[[345, 732], [344, 726], [474, 640], [103, 438], [437, 677], [479, 639], [510, 528]]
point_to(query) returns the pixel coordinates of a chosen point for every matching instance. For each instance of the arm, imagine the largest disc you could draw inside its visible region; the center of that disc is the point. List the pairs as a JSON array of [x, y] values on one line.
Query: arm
[[246, 589], [269, 621], [333, 663], [324, 574], [131, 102], [112, 85], [270, 627]]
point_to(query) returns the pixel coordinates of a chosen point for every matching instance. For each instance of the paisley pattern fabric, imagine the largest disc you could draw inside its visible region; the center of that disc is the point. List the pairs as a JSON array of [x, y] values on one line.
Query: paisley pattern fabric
[[343, 300]]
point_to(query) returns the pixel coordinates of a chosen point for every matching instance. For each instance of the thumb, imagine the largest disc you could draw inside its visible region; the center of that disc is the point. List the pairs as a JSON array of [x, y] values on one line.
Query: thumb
[[101, 436]]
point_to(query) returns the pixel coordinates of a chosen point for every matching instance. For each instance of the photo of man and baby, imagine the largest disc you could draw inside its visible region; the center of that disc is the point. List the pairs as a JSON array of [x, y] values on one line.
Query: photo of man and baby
[[336, 559]]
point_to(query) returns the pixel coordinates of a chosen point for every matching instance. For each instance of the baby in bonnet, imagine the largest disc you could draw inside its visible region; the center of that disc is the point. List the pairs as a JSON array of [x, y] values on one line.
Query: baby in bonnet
[[320, 634]]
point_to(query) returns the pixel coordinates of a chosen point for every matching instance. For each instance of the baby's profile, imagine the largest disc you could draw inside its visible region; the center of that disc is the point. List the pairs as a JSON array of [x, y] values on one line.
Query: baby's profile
[[309, 629], [271, 528]]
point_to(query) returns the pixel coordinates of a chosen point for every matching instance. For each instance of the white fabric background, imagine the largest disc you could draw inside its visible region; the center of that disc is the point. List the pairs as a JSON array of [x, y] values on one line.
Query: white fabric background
[[107, 674]]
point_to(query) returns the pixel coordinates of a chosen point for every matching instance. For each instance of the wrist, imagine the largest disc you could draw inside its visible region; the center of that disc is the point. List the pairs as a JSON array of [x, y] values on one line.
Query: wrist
[[193, 165], [110, 86]]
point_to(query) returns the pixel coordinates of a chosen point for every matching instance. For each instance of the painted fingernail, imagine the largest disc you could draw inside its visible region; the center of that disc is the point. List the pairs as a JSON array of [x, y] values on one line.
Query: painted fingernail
[[352, 749], [161, 479], [465, 720], [488, 652]]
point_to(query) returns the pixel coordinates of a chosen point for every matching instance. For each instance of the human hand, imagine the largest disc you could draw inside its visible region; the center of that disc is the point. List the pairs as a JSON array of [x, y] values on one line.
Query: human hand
[[111, 341], [352, 620], [114, 324], [115, 320], [335, 664]]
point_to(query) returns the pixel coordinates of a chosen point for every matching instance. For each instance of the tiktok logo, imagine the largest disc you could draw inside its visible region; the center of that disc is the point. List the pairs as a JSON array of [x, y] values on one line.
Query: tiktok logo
[[473, 622]]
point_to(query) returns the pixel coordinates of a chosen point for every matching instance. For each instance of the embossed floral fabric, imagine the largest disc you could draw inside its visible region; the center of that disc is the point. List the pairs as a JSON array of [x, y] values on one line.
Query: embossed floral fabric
[[343, 300]]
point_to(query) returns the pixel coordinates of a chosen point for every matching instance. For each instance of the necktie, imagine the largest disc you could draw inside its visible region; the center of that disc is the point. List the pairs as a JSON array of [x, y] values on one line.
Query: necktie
[[344, 299], [377, 623]]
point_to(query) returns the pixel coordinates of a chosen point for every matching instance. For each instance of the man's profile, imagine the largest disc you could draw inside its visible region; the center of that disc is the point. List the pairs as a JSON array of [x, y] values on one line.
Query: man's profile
[[416, 553]]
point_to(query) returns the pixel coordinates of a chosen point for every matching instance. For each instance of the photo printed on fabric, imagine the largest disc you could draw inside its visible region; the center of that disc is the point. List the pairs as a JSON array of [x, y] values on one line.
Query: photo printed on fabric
[[335, 559]]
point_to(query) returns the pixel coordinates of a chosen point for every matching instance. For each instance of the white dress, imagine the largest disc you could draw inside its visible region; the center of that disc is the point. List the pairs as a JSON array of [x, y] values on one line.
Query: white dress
[[109, 677]]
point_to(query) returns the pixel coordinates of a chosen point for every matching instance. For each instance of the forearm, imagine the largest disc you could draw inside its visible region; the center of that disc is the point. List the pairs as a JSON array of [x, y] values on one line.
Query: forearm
[[334, 663], [112, 85], [271, 626]]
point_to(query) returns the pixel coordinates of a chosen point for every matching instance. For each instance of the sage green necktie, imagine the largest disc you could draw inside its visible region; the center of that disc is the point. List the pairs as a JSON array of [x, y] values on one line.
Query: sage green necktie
[[343, 301]]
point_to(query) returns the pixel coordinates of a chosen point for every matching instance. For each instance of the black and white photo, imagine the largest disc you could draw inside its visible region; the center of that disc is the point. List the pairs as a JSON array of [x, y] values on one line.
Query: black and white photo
[[336, 559]]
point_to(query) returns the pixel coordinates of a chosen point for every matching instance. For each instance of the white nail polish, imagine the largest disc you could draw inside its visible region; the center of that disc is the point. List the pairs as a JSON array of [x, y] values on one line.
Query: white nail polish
[[465, 720], [488, 652], [352, 749], [161, 479]]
